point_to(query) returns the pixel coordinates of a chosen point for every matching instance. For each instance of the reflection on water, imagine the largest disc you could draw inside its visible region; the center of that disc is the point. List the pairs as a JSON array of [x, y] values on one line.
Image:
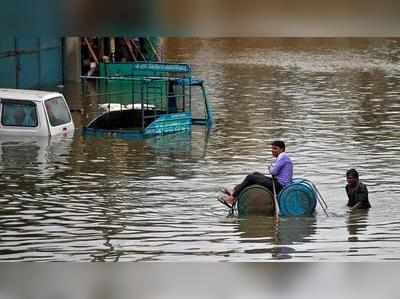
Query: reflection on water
[[357, 222], [269, 238], [335, 102], [25, 157]]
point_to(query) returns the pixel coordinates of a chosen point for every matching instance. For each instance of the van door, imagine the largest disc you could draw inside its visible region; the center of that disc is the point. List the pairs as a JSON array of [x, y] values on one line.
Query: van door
[[59, 116]]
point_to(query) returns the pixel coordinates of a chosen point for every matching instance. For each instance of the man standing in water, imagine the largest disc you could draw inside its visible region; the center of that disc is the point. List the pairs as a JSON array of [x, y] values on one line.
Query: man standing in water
[[281, 171], [357, 192]]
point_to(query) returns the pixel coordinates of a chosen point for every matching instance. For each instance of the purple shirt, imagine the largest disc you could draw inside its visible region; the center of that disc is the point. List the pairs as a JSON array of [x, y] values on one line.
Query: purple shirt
[[282, 169]]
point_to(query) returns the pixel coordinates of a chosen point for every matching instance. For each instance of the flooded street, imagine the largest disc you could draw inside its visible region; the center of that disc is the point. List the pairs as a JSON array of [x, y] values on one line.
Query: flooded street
[[334, 102]]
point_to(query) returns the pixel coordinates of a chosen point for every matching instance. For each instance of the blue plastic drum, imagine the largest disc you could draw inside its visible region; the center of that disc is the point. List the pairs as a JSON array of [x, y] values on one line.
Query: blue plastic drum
[[297, 199]]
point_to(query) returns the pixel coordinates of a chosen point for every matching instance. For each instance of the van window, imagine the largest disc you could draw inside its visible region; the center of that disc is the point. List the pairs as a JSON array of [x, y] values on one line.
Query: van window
[[58, 112], [18, 113]]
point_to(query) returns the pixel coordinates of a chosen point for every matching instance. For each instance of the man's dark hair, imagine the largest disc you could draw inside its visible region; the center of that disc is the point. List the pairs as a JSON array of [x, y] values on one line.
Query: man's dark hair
[[279, 144], [352, 172]]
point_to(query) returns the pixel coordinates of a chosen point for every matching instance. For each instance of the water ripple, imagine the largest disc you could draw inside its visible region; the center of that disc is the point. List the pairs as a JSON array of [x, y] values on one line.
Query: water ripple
[[335, 104]]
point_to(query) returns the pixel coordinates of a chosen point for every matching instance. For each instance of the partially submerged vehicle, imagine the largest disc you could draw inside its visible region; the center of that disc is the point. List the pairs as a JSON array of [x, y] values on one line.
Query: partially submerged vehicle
[[298, 199], [137, 100], [34, 113]]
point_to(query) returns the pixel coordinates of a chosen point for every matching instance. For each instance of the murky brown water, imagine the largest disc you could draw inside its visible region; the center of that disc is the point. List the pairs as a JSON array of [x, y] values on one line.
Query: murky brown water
[[335, 103]]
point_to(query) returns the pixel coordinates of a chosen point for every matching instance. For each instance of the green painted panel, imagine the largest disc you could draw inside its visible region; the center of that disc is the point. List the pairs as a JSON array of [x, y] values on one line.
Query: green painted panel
[[8, 74], [29, 63], [153, 92], [33, 63], [51, 64]]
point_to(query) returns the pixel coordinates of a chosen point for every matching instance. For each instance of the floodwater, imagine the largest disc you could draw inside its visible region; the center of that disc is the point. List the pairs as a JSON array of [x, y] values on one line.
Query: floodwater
[[334, 102]]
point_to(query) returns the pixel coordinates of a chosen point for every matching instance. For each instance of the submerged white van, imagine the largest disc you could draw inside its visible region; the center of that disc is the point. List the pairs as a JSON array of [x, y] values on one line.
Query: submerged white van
[[34, 113]]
